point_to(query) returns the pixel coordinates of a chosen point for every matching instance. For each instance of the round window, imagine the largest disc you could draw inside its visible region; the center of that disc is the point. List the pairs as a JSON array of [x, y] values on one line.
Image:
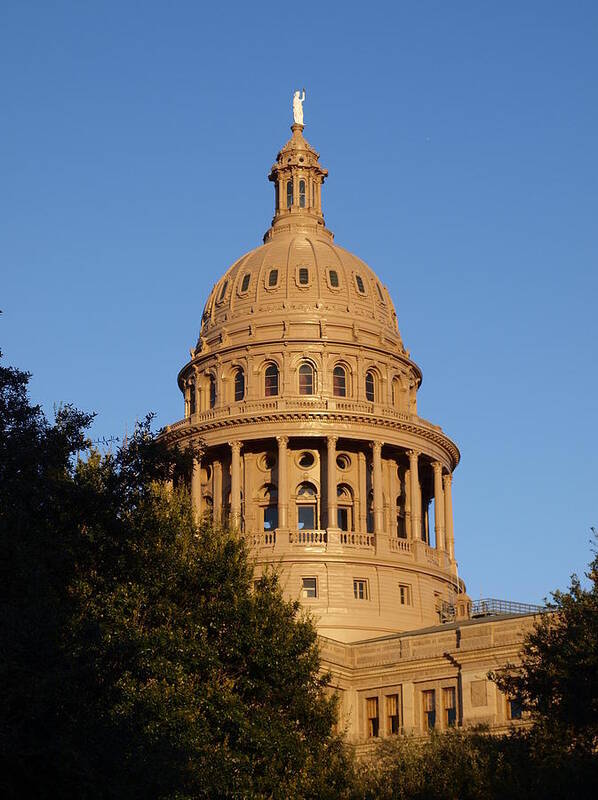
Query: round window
[[306, 460], [267, 461], [343, 461]]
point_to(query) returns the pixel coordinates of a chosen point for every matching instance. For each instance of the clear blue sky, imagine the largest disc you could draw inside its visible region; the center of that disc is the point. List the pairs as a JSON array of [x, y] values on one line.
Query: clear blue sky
[[461, 139]]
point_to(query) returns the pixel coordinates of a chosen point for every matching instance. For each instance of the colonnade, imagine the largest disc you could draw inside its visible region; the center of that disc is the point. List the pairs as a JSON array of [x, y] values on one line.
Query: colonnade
[[443, 504]]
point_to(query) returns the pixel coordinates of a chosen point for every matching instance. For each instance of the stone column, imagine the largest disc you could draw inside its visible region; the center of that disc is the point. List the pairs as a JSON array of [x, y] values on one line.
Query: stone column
[[438, 506], [283, 482], [416, 527], [235, 485], [187, 398], [217, 491], [377, 480], [448, 515], [196, 490], [363, 493], [331, 482]]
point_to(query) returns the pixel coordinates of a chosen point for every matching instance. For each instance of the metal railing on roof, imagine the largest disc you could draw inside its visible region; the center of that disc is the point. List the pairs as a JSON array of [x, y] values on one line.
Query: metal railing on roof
[[490, 606]]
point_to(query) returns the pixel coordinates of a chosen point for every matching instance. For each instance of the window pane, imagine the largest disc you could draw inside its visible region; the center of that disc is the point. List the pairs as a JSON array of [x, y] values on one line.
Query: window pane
[[192, 399], [339, 382], [370, 387], [239, 385], [360, 286], [223, 291], [270, 518], [333, 278], [343, 519], [273, 277], [306, 515], [245, 284], [289, 194], [271, 381], [302, 194], [310, 588], [212, 392], [306, 379], [303, 276]]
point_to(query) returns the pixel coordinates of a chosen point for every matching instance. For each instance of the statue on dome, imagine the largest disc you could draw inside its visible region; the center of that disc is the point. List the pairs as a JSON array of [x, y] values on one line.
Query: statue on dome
[[298, 107]]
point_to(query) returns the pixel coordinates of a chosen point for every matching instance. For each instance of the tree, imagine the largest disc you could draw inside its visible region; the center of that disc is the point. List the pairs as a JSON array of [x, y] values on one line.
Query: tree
[[139, 658], [557, 680]]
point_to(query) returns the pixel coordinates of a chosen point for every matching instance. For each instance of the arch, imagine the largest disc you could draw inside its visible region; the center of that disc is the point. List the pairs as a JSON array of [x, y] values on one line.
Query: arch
[[345, 507], [289, 193], [306, 379], [239, 384], [307, 506], [370, 386], [339, 381], [271, 380], [245, 282], [302, 193]]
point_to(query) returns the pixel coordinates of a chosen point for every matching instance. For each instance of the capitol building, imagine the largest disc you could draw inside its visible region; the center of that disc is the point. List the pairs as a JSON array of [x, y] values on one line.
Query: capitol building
[[305, 399]]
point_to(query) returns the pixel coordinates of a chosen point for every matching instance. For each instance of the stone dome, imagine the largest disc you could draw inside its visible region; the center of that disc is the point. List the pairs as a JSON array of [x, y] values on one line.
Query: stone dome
[[297, 274]]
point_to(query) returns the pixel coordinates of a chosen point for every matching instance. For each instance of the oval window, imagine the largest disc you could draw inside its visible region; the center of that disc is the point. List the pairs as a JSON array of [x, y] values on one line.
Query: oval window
[[306, 460]]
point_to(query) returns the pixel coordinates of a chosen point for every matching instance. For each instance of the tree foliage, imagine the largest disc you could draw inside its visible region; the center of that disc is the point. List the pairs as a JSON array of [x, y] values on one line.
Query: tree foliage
[[139, 660], [557, 680]]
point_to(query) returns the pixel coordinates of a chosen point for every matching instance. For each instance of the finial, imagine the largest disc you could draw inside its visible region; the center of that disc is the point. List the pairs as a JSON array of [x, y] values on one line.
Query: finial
[[298, 107]]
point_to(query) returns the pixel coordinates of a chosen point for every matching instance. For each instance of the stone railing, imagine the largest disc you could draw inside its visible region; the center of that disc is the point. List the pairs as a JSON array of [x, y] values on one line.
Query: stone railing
[[268, 405], [357, 540], [399, 545], [307, 538], [263, 539]]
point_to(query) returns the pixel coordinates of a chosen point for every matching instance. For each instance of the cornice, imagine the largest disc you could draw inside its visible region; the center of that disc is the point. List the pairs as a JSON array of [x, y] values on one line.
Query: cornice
[[186, 428]]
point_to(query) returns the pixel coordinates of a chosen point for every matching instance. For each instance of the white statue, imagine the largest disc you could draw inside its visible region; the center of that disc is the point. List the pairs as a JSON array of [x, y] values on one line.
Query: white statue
[[298, 107]]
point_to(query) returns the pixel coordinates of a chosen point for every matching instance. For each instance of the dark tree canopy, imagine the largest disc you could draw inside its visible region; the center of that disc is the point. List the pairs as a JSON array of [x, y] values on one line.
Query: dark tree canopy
[[558, 677], [139, 659]]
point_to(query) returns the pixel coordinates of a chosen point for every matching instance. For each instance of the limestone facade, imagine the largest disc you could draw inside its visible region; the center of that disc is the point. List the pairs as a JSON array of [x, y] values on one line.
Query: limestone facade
[[305, 398]]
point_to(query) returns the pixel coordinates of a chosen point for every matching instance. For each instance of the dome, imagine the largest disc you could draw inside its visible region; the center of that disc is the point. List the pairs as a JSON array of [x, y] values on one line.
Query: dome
[[300, 274]]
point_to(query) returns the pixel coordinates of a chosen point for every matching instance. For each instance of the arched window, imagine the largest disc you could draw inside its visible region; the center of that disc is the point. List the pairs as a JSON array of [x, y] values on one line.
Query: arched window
[[289, 194], [212, 391], [370, 386], [306, 379], [192, 404], [273, 278], [271, 381], [245, 283], [268, 502], [346, 521], [307, 507], [339, 381], [223, 291], [396, 392], [302, 194], [239, 385]]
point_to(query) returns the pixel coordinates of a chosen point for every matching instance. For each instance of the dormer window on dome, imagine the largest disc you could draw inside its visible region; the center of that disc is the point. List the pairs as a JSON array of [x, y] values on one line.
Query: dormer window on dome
[[273, 278], [303, 276], [360, 284], [245, 283], [333, 278]]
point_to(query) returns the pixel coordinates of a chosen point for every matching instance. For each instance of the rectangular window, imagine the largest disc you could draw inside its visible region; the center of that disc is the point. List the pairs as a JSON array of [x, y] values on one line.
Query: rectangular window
[[306, 518], [392, 713], [449, 707], [515, 709], [405, 594], [273, 277], [360, 589], [270, 518], [303, 276], [343, 518], [429, 709], [309, 587], [245, 284], [333, 278], [372, 715], [360, 286]]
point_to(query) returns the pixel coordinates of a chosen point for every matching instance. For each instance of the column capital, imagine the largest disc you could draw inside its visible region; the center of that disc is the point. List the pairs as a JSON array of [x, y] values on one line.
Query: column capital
[[437, 466], [413, 454], [376, 446], [332, 440], [282, 441], [236, 445], [448, 478]]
